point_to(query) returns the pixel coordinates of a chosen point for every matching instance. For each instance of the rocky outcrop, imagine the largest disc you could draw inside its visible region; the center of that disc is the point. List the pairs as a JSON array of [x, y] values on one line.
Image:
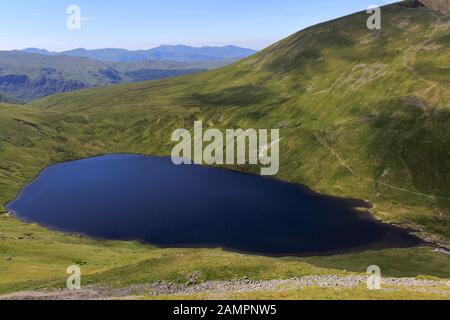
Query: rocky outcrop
[[439, 5]]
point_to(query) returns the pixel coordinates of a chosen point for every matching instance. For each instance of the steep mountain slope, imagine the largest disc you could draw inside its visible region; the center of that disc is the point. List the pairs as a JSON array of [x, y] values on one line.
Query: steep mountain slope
[[362, 114], [165, 52]]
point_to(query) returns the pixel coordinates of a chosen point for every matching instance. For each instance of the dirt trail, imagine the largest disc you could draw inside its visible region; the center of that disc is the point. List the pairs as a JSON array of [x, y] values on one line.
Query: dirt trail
[[353, 172], [236, 286]]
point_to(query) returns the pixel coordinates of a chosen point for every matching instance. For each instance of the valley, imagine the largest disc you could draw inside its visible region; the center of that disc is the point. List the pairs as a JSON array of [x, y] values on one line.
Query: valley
[[362, 114], [33, 73]]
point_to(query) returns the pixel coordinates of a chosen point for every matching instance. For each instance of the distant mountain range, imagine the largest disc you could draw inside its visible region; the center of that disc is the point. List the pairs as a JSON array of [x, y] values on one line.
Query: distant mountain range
[[33, 73], [165, 52]]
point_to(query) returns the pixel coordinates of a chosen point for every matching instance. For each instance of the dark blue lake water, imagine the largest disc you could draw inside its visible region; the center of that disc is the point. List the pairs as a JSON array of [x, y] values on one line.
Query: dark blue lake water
[[150, 199]]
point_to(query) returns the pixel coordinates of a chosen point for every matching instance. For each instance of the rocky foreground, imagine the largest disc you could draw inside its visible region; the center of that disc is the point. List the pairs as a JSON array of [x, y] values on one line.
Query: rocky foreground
[[441, 287]]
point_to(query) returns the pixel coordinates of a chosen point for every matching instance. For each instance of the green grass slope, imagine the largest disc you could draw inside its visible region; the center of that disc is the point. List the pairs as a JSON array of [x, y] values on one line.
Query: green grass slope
[[363, 114]]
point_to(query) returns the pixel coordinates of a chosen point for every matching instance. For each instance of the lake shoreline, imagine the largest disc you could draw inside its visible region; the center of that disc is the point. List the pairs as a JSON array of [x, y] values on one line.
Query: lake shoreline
[[337, 252], [357, 206]]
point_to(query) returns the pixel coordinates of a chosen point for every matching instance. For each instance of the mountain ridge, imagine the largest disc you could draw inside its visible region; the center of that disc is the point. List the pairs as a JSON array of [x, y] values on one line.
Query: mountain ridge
[[163, 52]]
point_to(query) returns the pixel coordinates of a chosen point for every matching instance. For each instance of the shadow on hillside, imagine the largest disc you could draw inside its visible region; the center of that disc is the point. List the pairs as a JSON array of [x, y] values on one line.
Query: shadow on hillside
[[240, 96]]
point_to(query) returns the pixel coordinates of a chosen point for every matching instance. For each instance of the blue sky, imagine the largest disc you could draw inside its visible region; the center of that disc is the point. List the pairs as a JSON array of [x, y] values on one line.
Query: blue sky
[[143, 24]]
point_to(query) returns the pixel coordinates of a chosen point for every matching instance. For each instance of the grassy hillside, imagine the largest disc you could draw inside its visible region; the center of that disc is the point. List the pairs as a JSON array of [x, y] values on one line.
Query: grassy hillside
[[363, 114]]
